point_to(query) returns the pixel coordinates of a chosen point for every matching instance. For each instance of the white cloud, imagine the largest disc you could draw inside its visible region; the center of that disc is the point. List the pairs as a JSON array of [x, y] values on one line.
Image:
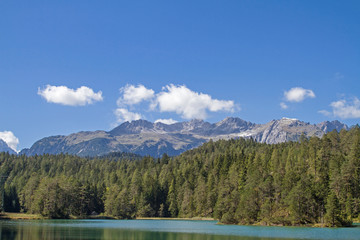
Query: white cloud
[[345, 110], [298, 94], [283, 105], [10, 139], [123, 115], [166, 121], [325, 112], [173, 98], [338, 76], [66, 96], [189, 104], [134, 94]]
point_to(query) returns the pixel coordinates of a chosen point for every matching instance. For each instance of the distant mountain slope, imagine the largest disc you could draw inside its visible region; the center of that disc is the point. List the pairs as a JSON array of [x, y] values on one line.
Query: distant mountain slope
[[5, 148], [146, 138], [330, 126]]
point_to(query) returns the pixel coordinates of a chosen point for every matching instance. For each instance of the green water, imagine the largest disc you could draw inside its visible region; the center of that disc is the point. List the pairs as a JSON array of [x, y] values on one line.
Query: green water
[[161, 229]]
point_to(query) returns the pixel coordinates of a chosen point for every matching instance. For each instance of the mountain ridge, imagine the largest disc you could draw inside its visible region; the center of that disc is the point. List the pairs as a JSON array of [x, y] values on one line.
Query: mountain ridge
[[4, 147], [146, 138]]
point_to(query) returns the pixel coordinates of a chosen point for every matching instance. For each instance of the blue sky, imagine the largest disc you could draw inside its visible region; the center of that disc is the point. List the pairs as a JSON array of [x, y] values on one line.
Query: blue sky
[[257, 60]]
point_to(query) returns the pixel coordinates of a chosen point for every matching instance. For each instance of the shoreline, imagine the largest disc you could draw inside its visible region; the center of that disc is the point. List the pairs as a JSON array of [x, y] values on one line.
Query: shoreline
[[165, 218], [27, 216], [20, 216]]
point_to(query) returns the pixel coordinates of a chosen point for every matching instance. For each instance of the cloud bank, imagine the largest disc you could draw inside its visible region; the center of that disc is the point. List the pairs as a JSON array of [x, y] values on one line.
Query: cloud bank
[[189, 104], [283, 105], [10, 139], [176, 99], [344, 109], [298, 94], [134, 94], [70, 97], [124, 115]]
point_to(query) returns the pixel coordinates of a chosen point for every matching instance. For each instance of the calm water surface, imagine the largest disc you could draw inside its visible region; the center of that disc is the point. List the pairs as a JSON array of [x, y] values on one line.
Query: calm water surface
[[161, 229]]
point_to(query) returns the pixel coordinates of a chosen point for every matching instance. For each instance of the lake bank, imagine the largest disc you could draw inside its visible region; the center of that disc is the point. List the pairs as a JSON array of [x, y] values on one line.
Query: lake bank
[[27, 216], [188, 219], [20, 216], [145, 229]]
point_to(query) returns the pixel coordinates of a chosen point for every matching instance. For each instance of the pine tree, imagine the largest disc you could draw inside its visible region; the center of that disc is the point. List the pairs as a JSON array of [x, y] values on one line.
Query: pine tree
[[332, 216]]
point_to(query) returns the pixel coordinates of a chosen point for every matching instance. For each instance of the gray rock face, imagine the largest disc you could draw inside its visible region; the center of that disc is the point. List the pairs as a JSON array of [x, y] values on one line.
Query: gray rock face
[[5, 148], [284, 130], [327, 126], [146, 138]]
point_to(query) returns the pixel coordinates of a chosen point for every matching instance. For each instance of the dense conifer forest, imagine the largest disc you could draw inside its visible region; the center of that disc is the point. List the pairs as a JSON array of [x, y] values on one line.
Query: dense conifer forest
[[236, 181]]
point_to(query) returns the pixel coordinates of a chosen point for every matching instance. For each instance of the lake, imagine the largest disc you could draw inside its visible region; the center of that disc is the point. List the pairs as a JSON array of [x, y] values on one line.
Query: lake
[[161, 229]]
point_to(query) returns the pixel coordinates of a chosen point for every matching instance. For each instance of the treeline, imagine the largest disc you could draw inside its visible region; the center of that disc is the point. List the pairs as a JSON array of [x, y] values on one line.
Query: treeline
[[236, 181]]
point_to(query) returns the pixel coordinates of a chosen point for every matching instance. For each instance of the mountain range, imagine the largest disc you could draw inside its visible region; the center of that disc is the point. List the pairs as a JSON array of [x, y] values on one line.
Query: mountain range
[[146, 138]]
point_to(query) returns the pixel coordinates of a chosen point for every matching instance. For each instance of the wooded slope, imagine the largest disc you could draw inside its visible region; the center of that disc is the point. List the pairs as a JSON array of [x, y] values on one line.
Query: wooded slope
[[236, 181]]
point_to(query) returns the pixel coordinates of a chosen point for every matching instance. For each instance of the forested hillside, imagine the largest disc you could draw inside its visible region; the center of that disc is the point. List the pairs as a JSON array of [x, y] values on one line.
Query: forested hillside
[[236, 181]]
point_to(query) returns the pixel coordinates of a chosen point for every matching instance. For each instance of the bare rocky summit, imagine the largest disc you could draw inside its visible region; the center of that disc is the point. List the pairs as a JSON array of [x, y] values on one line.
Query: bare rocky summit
[[5, 148], [147, 138]]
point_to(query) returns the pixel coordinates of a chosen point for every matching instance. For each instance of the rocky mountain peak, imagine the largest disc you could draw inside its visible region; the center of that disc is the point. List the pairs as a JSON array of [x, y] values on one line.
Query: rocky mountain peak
[[232, 125], [230, 120], [133, 127], [147, 138], [285, 129], [195, 126], [327, 126], [289, 119], [5, 148], [286, 120]]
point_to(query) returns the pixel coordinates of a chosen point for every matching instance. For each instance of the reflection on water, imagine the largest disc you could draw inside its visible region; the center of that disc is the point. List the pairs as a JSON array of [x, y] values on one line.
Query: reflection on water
[[11, 230], [160, 229]]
